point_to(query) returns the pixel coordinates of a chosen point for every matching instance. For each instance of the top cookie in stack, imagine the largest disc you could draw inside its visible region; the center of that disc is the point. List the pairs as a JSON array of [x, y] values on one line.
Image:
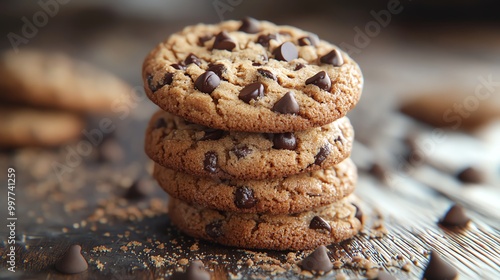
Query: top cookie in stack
[[253, 144], [252, 76]]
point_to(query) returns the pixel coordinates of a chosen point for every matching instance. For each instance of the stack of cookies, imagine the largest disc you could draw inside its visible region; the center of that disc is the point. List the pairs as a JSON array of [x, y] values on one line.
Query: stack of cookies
[[252, 142]]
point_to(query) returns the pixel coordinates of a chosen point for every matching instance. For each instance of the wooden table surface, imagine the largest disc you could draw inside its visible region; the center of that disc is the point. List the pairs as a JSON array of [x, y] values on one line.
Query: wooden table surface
[[124, 239]]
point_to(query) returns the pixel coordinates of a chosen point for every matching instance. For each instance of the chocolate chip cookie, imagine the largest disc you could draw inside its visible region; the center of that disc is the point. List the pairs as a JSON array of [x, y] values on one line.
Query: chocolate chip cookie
[[328, 224], [262, 78], [201, 151], [293, 194]]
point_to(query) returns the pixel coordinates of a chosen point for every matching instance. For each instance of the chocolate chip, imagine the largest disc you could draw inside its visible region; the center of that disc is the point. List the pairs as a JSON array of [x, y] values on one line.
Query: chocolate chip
[[138, 190], [382, 275], [455, 217], [72, 261], [379, 172], [241, 152], [321, 80], [191, 58], [151, 84], [110, 150], [285, 141], [243, 198], [317, 260], [178, 66], [252, 91], [203, 39], [264, 39], [471, 175], [439, 269], [196, 271], [359, 214], [267, 74], [210, 162], [250, 25], [323, 153], [214, 229], [287, 104], [218, 69], [224, 42], [168, 78], [299, 66], [286, 52], [319, 223], [311, 40], [334, 58], [207, 82], [160, 123], [213, 134]]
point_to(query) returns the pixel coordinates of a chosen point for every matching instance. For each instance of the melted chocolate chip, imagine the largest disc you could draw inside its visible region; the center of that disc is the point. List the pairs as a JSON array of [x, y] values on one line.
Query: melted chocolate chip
[[471, 175], [241, 152], [178, 66], [299, 66], [191, 58], [244, 198], [168, 78], [214, 229], [210, 162], [285, 141], [321, 80], [250, 25], [264, 39], [311, 40], [252, 91], [323, 153], [218, 69], [160, 123], [213, 134], [203, 39], [224, 42], [287, 104], [151, 84], [196, 271], [318, 260], [359, 214], [207, 82], [455, 217], [334, 58], [320, 224], [286, 52], [439, 269], [267, 74], [72, 261]]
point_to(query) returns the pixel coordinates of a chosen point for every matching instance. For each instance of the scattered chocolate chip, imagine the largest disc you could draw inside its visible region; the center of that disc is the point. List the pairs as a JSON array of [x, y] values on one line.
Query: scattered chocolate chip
[[267, 74], [241, 152], [210, 162], [214, 229], [250, 25], [196, 271], [160, 123], [334, 58], [321, 80], [178, 66], [151, 84], [437, 269], [359, 214], [207, 82], [213, 134], [323, 153], [218, 69], [191, 58], [285, 141], [168, 78], [299, 66], [318, 260], [382, 275], [455, 217], [243, 198], [379, 172], [311, 40], [203, 39], [138, 190], [319, 223], [264, 39], [72, 261], [256, 64], [287, 104], [224, 42], [471, 175], [252, 91], [286, 52]]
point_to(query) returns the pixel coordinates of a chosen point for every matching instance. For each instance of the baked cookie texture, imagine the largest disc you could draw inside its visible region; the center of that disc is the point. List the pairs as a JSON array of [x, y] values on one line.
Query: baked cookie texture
[[274, 79], [307, 230], [292, 194], [202, 151]]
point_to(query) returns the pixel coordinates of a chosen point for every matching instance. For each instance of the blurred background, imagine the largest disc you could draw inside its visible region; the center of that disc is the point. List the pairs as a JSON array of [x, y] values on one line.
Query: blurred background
[[430, 68]]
